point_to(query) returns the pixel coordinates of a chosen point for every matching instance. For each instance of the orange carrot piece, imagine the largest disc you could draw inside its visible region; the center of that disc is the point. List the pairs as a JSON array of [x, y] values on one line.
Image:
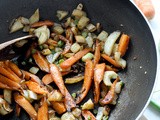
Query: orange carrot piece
[[4, 86], [41, 62], [110, 95], [18, 110], [98, 76], [43, 111], [97, 53], [42, 23], [26, 105], [59, 107], [65, 72], [110, 60], [47, 79], [70, 61], [57, 78], [123, 44], [6, 73], [35, 87], [109, 68], [87, 80], [12, 84], [88, 115]]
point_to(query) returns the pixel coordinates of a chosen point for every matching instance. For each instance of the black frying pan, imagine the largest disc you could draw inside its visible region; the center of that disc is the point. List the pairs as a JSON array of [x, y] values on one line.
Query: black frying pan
[[113, 15]]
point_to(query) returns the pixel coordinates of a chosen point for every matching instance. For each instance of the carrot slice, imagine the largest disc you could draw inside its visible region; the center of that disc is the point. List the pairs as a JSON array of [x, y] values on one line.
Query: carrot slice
[[70, 61], [43, 111], [98, 76], [41, 62], [18, 110], [110, 95], [4, 86], [123, 44], [97, 54], [35, 87], [110, 60], [87, 80], [42, 23], [12, 84], [47, 79], [57, 78], [109, 68], [88, 115], [59, 107], [25, 104]]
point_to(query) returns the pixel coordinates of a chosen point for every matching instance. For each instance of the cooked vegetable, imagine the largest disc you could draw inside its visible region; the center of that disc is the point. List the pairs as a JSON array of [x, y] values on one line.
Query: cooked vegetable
[[4, 107], [91, 27], [80, 39], [61, 14], [74, 79], [21, 43], [58, 29], [59, 107], [102, 36], [87, 56], [68, 116], [89, 41], [34, 70], [76, 112], [55, 96], [75, 47], [7, 95], [88, 115], [42, 23], [35, 17], [83, 22], [16, 25], [43, 111], [108, 75], [88, 105]]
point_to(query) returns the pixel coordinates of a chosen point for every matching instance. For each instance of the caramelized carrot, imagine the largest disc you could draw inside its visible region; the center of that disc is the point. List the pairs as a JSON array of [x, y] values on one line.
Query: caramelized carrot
[[42, 23], [12, 84], [110, 95], [97, 54], [57, 78], [35, 87], [47, 79], [59, 107], [109, 68], [18, 110], [123, 44], [43, 111], [41, 62], [4, 86], [88, 115], [26, 105], [87, 80], [110, 60], [98, 76], [70, 61]]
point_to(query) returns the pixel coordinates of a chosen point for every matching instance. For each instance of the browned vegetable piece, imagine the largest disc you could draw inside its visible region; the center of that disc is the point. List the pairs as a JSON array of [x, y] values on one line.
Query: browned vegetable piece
[[47, 79], [4, 86], [18, 110], [59, 107], [41, 62], [109, 68], [87, 80], [42, 23], [97, 53], [25, 104], [43, 111], [88, 115]]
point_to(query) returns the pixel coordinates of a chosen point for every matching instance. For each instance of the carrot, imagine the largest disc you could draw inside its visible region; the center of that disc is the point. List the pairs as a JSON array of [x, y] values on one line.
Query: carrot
[[4, 86], [6, 81], [41, 62], [123, 44], [97, 54], [110, 95], [146, 7], [98, 76], [43, 111], [25, 104], [6, 73], [18, 110], [42, 23], [59, 107], [35, 87], [109, 68], [47, 79], [87, 80], [70, 61], [110, 60], [88, 115], [57, 78]]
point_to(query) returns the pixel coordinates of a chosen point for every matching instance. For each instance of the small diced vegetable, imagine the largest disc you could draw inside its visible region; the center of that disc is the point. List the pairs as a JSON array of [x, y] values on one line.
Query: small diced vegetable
[[52, 58], [61, 14], [102, 36], [35, 17], [24, 20], [80, 6], [68, 116], [89, 41], [88, 105], [91, 27], [87, 56], [76, 112], [58, 29], [55, 96], [74, 30], [80, 39], [75, 47], [100, 113], [68, 55], [78, 13], [46, 51], [83, 22], [34, 70], [74, 79]]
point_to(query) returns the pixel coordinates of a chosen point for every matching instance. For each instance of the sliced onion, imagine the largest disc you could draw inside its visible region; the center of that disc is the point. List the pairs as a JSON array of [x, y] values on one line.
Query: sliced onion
[[34, 70], [32, 95], [108, 75], [88, 105], [17, 25], [103, 35], [35, 17], [7, 95], [51, 58]]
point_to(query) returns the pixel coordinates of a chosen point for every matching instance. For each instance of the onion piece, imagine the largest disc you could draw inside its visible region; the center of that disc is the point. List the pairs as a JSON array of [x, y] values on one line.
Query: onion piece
[[34, 70], [17, 25], [4, 107], [78, 13], [100, 113], [88, 105], [108, 75], [61, 14], [68, 116], [7, 95], [76, 112], [24, 20], [32, 95], [75, 47], [51, 58], [102, 36], [80, 39], [91, 27], [58, 29], [35, 17], [87, 56], [74, 79], [55, 95], [82, 23], [89, 41]]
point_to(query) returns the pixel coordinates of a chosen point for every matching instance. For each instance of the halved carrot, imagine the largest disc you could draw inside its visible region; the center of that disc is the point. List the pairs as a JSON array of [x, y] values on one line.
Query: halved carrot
[[42, 23], [110, 95], [97, 53], [70, 61], [43, 111], [98, 76], [26, 105], [110, 60], [87, 80], [109, 68], [88, 115], [12, 84], [123, 44], [4, 86], [6, 73], [41, 62], [18, 110], [57, 78], [35, 87], [47, 79], [59, 107]]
